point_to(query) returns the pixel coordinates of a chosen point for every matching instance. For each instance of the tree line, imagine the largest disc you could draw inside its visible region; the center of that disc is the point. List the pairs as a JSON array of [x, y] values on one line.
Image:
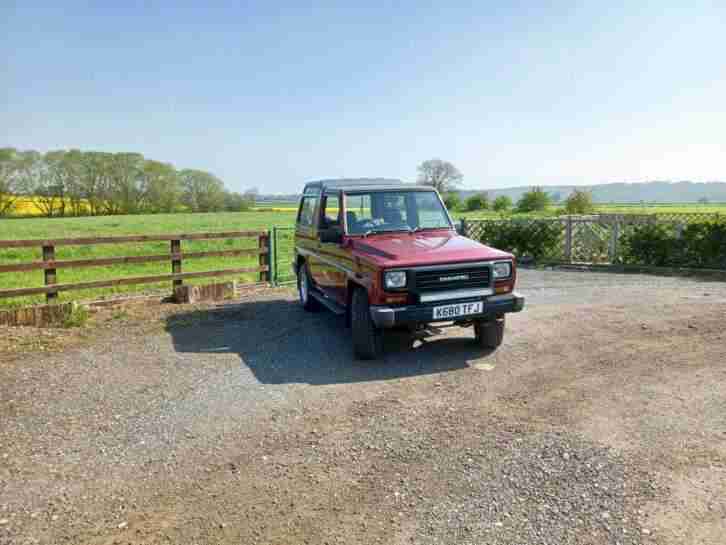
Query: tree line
[[445, 178], [76, 183]]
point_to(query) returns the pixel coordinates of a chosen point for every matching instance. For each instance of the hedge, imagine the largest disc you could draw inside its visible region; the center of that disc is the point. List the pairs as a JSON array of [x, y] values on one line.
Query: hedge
[[700, 245], [536, 239]]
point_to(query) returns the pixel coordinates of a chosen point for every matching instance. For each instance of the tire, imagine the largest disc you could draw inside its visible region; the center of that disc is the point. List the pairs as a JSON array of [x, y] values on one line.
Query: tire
[[304, 285], [367, 338], [489, 334]]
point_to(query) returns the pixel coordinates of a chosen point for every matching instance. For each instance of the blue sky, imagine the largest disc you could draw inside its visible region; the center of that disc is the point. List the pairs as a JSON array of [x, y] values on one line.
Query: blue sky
[[271, 94]]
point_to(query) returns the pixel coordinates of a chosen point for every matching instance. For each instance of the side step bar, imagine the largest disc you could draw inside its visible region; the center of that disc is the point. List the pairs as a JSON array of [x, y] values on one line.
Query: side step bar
[[331, 305]]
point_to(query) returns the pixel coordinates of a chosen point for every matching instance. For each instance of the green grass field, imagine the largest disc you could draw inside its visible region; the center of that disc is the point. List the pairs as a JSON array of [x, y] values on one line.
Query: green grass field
[[39, 228]]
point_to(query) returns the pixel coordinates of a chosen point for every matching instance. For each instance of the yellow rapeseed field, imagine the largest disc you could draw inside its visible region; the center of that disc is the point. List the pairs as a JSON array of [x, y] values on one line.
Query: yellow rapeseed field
[[28, 206]]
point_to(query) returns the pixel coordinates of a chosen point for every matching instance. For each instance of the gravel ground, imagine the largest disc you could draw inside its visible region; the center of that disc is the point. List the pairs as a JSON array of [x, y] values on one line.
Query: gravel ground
[[602, 419]]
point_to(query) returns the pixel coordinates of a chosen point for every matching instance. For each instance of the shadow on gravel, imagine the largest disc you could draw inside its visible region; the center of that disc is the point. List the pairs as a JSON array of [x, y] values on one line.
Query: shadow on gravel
[[280, 344]]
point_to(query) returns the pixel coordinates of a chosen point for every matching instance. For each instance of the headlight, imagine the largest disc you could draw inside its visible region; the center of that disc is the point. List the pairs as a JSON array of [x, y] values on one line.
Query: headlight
[[503, 270], [395, 279]]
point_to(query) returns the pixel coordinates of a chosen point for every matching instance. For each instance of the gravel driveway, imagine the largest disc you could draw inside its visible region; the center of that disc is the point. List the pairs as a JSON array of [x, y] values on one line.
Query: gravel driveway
[[602, 419]]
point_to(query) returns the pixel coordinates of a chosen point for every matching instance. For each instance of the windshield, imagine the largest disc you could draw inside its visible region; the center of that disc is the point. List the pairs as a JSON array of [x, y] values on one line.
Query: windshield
[[383, 211]]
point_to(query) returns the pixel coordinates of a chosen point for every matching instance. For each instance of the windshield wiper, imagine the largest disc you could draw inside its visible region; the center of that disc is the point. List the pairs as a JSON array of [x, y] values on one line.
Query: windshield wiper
[[407, 229], [419, 228], [374, 231]]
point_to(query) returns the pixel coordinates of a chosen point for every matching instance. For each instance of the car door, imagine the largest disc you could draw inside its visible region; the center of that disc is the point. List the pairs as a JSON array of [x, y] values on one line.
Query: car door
[[306, 240], [331, 260]]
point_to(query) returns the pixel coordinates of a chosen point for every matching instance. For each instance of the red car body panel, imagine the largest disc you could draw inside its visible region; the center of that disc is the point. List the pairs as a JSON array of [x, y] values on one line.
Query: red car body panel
[[423, 248]]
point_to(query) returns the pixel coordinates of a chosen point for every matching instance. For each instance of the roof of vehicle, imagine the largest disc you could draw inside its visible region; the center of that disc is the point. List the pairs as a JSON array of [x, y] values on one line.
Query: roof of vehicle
[[369, 184]]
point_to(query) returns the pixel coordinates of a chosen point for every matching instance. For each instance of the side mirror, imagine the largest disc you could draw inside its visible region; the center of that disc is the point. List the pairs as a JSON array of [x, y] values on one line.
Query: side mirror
[[459, 226], [331, 235]]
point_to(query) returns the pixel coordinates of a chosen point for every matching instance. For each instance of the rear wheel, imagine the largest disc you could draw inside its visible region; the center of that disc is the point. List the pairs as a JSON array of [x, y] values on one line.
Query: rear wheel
[[367, 338], [304, 286], [489, 333]]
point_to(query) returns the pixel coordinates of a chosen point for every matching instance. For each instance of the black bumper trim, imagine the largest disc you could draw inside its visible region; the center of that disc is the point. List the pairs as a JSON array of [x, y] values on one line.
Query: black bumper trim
[[386, 317]]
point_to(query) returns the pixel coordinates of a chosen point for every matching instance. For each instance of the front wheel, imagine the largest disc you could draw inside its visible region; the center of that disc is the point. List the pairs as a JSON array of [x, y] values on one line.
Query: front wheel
[[367, 338], [304, 285], [489, 333]]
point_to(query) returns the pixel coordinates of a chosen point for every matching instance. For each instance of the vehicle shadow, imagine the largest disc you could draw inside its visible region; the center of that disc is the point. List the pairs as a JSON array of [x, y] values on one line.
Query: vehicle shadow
[[280, 344]]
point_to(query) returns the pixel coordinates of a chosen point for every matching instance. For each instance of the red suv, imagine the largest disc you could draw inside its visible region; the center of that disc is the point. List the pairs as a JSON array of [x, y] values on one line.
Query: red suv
[[387, 255]]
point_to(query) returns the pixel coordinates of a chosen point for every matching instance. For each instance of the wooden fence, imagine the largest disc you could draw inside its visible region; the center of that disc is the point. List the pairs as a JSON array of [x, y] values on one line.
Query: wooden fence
[[50, 265]]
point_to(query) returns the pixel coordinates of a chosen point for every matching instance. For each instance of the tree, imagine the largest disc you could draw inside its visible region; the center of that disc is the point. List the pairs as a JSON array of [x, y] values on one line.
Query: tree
[[9, 180], [236, 202], [502, 203], [94, 179], [160, 187], [202, 191], [441, 175], [35, 178], [579, 202], [59, 188], [534, 200], [480, 201], [72, 171], [250, 197], [452, 200], [122, 193]]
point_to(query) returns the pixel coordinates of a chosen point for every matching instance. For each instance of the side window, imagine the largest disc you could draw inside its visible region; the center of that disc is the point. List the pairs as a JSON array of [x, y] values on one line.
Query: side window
[[331, 213], [307, 211]]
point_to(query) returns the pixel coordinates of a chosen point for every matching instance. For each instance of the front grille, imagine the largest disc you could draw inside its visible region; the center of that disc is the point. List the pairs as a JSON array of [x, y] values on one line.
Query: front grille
[[451, 278]]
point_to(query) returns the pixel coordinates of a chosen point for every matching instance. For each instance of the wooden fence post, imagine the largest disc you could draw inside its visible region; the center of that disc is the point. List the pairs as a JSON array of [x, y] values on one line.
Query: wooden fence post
[[614, 237], [264, 246], [50, 275], [568, 240], [176, 263], [679, 230]]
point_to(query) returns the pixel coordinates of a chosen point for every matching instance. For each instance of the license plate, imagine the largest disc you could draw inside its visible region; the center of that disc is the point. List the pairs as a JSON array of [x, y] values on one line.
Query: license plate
[[448, 312]]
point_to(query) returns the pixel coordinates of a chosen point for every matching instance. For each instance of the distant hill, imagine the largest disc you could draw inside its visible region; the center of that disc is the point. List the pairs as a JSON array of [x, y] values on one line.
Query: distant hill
[[661, 192], [295, 197]]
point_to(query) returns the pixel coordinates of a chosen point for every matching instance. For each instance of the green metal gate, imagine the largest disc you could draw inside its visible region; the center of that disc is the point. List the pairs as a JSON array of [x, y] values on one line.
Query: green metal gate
[[282, 249]]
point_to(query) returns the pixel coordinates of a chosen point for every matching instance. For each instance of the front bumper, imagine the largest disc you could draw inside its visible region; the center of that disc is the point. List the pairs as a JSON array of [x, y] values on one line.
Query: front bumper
[[386, 317]]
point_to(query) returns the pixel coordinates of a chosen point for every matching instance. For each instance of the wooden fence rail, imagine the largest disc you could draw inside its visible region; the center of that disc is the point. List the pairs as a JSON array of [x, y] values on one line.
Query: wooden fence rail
[[49, 264]]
